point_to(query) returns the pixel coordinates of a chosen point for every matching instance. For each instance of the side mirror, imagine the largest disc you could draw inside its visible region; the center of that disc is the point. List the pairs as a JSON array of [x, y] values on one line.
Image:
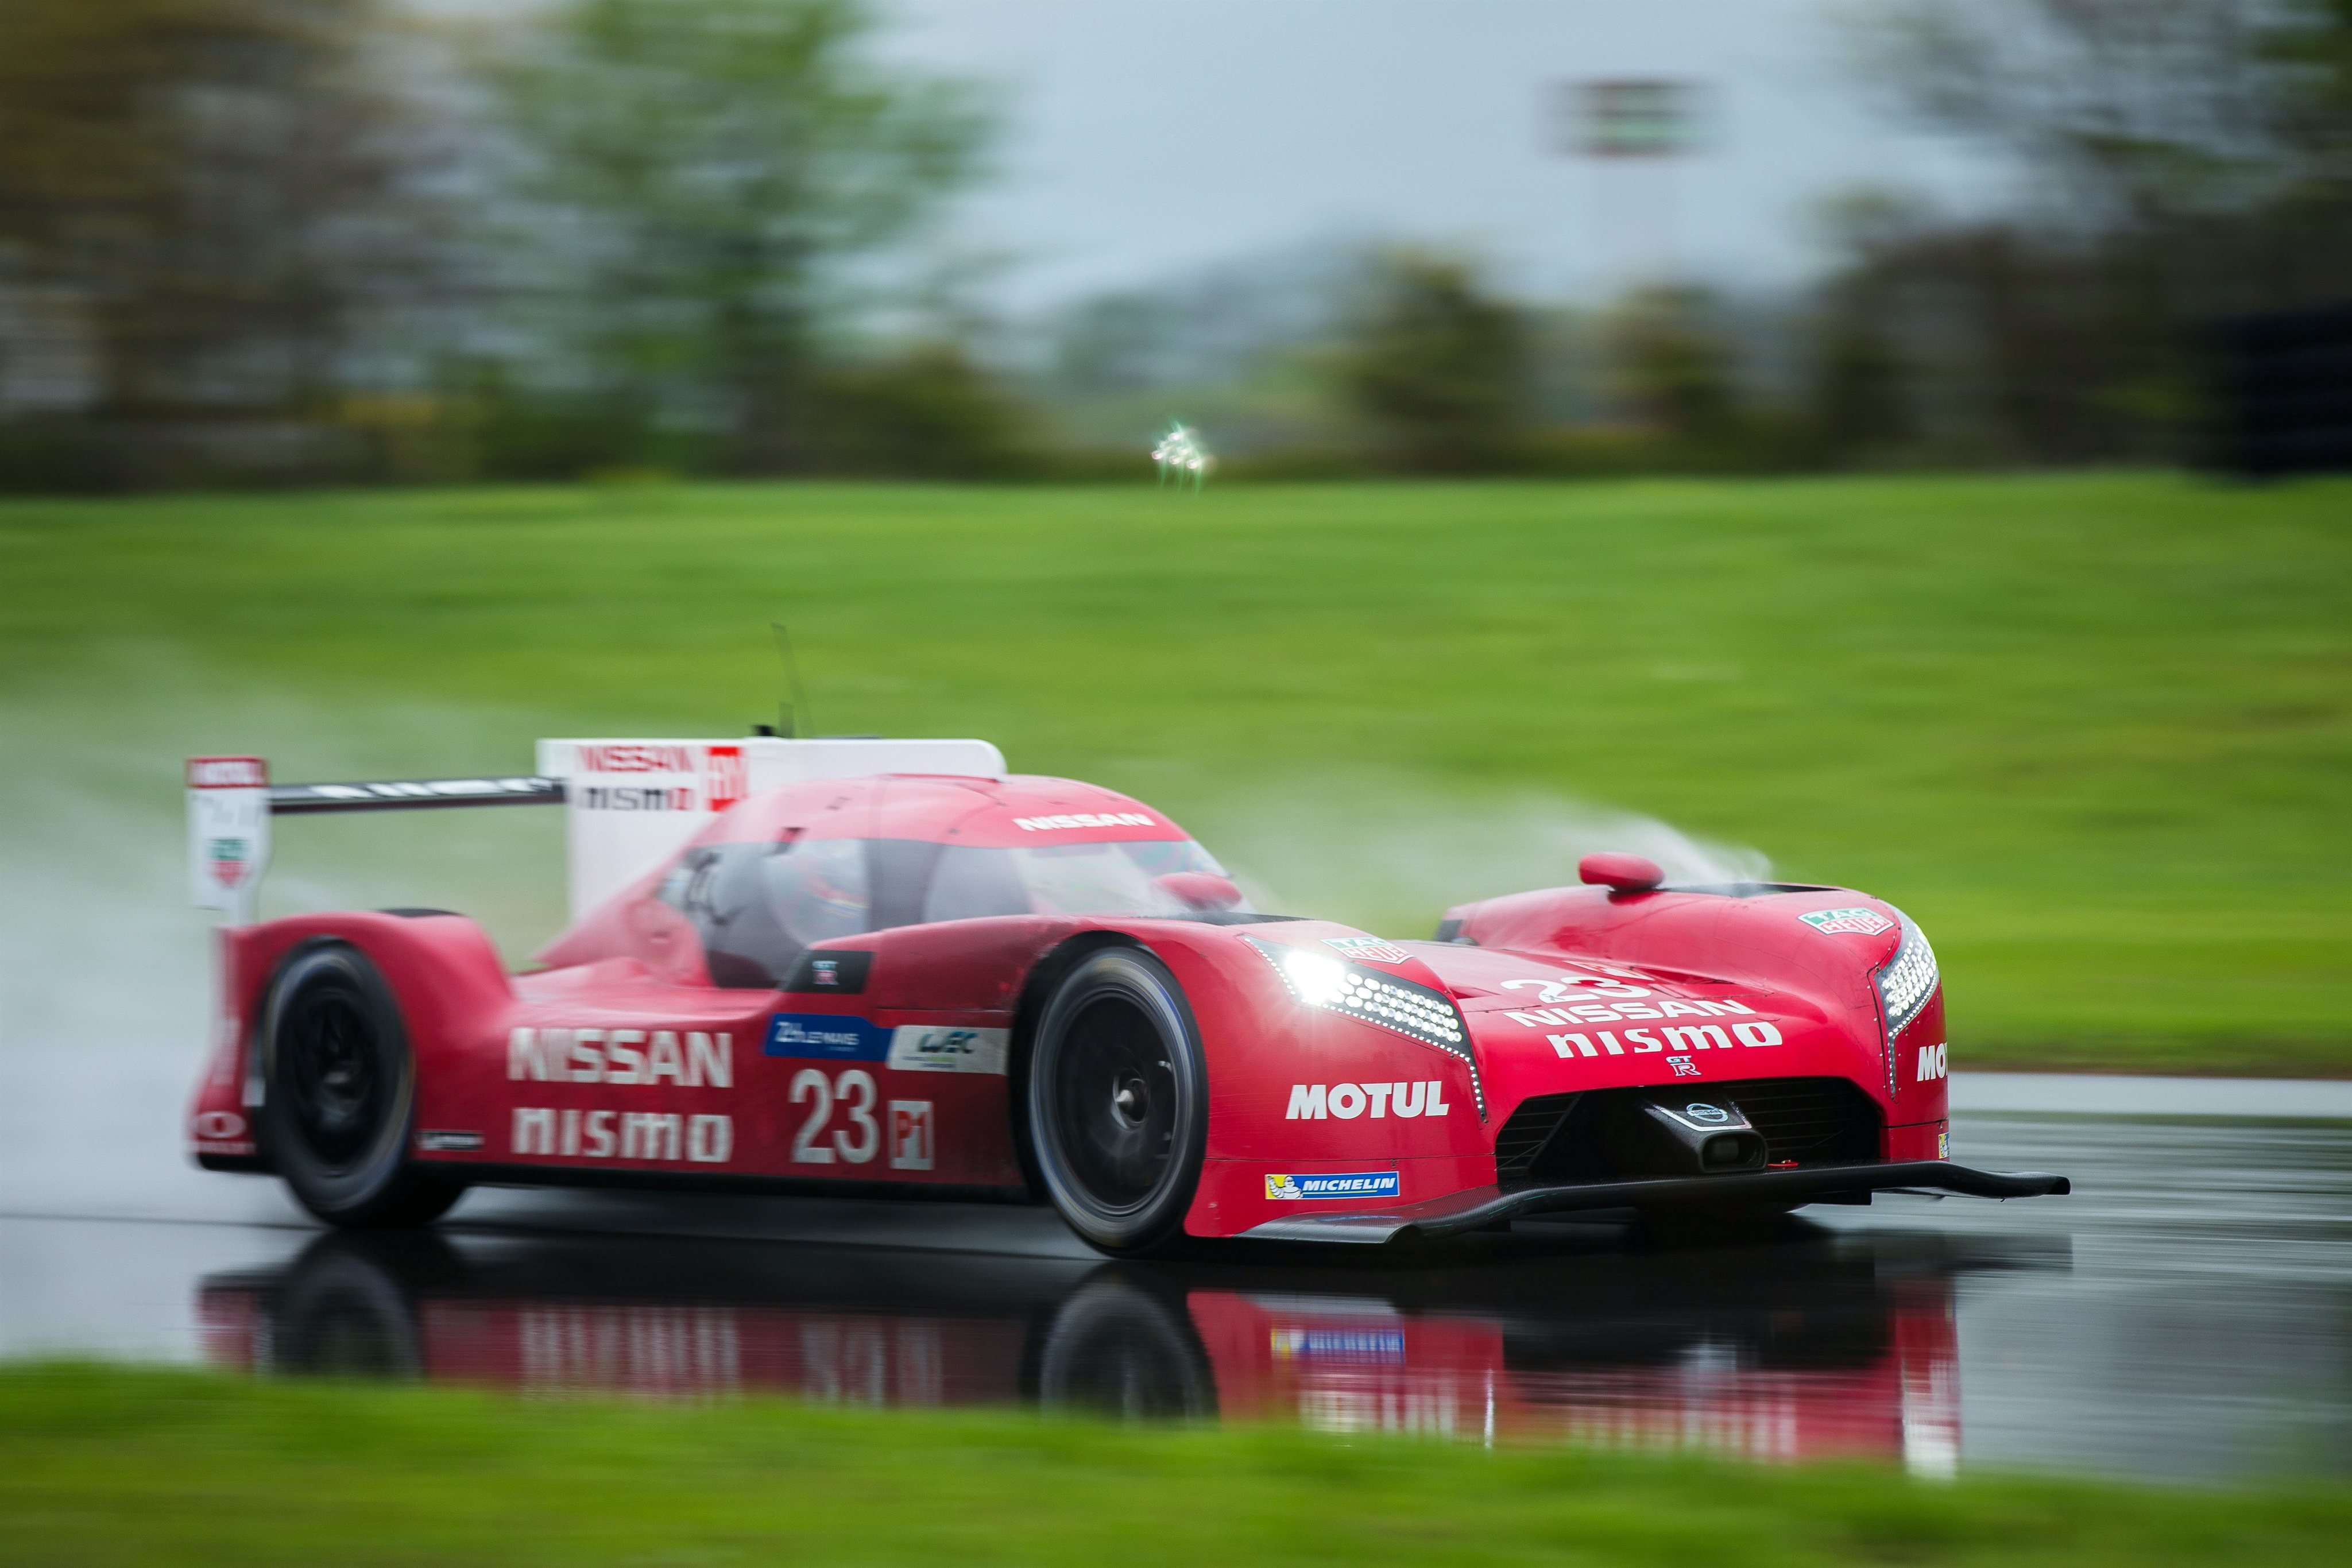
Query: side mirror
[[1199, 890], [1622, 873]]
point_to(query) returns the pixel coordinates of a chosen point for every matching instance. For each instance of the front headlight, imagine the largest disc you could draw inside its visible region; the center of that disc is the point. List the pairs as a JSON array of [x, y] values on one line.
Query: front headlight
[[1419, 1012], [1906, 980]]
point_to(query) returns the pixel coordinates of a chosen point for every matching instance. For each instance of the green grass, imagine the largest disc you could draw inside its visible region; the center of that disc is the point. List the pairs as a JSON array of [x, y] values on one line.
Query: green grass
[[122, 1467], [2091, 731]]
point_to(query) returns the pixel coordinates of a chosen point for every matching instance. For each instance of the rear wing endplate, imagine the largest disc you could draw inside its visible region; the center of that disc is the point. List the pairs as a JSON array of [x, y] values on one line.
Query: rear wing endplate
[[231, 801]]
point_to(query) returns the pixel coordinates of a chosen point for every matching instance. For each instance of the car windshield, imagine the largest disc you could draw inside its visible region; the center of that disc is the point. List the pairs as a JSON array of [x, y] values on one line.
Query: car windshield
[[758, 906], [1116, 878]]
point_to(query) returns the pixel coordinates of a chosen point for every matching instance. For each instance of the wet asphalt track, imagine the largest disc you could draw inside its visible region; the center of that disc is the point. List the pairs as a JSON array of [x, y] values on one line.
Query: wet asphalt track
[[2186, 1313]]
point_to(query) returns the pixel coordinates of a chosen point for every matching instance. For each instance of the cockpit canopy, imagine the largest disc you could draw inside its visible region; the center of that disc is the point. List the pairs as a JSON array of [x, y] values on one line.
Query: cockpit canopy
[[757, 906], [793, 867]]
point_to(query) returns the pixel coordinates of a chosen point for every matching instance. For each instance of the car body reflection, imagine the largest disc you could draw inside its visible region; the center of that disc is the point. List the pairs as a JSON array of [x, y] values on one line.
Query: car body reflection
[[1802, 1345]]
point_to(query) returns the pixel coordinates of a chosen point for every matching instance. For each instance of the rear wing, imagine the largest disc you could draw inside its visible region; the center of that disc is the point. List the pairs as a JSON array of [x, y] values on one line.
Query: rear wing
[[628, 803]]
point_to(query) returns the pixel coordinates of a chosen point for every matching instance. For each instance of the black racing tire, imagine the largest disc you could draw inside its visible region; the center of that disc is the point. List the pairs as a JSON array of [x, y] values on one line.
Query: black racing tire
[[340, 1089], [1116, 1101]]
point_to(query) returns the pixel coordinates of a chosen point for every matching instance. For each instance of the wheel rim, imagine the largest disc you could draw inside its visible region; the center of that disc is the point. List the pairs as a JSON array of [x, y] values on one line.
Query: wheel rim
[[334, 1075], [1114, 1104]]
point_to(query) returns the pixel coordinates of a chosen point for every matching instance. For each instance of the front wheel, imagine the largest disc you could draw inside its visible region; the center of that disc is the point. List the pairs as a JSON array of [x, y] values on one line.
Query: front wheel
[[1117, 1101], [341, 1084]]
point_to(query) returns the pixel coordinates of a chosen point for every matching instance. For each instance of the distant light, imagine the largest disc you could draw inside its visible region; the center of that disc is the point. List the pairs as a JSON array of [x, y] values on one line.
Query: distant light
[[1182, 453]]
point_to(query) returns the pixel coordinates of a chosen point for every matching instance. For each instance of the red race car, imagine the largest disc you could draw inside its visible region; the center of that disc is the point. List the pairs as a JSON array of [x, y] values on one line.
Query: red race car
[[866, 967]]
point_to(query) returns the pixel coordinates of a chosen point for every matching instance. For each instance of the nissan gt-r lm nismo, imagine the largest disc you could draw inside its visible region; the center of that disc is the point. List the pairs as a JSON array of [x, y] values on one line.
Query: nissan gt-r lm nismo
[[890, 966]]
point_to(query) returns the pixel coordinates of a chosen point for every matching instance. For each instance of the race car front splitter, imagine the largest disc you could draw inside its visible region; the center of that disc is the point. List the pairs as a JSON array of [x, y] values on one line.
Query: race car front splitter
[[1478, 1207]]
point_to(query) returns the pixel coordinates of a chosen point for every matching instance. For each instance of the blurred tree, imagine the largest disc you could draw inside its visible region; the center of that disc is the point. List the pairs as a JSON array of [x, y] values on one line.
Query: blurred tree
[[2122, 111], [202, 205], [1670, 368], [705, 172], [1861, 396], [2182, 159], [926, 412], [1434, 364]]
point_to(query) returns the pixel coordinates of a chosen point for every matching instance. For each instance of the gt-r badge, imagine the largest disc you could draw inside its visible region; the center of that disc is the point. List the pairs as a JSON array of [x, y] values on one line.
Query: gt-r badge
[[1367, 949], [843, 971], [1353, 1183], [1684, 1066], [1848, 922]]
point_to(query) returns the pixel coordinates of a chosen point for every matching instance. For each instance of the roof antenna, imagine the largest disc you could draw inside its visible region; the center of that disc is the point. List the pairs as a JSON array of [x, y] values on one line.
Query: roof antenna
[[794, 714]]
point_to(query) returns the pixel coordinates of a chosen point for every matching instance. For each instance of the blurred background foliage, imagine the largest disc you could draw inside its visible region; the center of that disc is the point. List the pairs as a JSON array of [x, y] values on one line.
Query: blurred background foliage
[[294, 241]]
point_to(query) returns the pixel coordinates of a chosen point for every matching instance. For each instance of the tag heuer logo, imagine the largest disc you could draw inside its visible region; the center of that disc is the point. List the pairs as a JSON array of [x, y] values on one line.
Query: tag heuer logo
[[1367, 949], [1848, 922], [229, 858]]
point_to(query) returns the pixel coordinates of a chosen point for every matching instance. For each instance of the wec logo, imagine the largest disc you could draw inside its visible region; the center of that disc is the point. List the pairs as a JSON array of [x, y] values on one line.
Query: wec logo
[[916, 1047]]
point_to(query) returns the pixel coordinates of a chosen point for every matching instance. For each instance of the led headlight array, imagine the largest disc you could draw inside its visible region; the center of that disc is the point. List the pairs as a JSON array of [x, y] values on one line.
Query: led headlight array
[[1419, 1012], [1906, 980]]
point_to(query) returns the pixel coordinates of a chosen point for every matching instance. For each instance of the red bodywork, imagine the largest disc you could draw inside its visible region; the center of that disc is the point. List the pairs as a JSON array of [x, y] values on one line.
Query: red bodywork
[[621, 1062]]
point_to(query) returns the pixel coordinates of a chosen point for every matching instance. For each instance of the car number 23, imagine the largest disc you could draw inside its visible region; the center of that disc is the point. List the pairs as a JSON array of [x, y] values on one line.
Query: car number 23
[[854, 1094]]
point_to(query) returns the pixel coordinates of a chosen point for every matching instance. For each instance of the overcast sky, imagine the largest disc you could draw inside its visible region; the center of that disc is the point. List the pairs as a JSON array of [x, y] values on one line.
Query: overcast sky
[[1150, 139]]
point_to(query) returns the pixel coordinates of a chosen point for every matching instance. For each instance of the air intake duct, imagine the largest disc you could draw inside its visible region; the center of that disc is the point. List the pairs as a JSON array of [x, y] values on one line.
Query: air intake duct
[[1679, 1135]]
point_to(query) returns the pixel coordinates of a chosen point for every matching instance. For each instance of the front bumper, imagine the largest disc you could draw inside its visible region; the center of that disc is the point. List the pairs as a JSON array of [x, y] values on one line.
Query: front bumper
[[1480, 1207]]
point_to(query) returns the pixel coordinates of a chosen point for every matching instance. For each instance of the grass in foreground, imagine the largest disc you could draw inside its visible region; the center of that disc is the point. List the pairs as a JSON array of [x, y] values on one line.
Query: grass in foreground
[[130, 1466], [2093, 731]]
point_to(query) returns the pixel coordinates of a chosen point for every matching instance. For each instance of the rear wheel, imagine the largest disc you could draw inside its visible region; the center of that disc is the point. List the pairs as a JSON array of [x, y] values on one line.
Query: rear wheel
[[340, 1087], [1117, 1101]]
